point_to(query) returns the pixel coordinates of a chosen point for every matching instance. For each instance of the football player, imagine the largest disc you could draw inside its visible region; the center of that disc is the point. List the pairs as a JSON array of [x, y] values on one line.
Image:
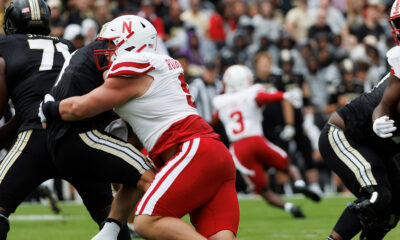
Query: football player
[[363, 162], [240, 111], [363, 159], [82, 149], [197, 173], [29, 64]]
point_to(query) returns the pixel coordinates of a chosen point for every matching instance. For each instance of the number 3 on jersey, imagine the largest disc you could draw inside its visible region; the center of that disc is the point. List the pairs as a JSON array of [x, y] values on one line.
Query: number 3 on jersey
[[47, 46], [239, 119]]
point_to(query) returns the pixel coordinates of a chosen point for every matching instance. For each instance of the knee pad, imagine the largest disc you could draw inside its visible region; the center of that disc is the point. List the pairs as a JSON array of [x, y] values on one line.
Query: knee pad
[[4, 227], [380, 197]]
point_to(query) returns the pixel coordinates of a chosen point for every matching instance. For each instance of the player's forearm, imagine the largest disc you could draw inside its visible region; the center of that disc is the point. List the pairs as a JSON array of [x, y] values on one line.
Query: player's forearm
[[265, 98], [75, 109], [288, 112]]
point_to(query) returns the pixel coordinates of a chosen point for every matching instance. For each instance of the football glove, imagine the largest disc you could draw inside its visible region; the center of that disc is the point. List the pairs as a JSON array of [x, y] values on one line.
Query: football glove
[[393, 58], [47, 98], [288, 133], [384, 127], [295, 97]]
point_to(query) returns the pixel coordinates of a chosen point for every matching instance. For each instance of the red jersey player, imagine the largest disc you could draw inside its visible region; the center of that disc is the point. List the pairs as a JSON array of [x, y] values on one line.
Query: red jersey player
[[240, 110], [197, 173]]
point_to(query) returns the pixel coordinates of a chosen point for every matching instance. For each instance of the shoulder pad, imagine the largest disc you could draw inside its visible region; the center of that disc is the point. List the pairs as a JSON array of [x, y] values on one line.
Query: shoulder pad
[[131, 64]]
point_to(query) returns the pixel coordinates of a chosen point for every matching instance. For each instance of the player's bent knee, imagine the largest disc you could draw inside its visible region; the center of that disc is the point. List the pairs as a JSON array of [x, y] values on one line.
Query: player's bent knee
[[383, 199], [223, 235], [145, 180], [143, 224]]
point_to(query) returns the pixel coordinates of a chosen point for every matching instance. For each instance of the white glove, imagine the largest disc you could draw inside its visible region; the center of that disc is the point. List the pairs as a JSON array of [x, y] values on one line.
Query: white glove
[[393, 58], [384, 127], [295, 97], [288, 133], [47, 98]]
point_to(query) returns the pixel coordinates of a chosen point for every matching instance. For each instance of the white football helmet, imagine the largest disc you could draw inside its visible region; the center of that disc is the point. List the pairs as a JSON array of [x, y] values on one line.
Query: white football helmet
[[394, 21], [128, 33], [236, 78]]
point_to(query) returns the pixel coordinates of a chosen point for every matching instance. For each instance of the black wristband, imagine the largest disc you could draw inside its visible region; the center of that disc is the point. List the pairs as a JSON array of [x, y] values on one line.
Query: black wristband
[[112, 220], [51, 111]]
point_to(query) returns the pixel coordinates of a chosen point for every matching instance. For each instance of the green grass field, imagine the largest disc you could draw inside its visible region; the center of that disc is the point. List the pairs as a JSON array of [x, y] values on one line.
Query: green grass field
[[258, 221]]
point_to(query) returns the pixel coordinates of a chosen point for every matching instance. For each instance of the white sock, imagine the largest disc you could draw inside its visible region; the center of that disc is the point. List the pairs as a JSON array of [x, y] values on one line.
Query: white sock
[[288, 206], [299, 183], [316, 188], [130, 226], [109, 231]]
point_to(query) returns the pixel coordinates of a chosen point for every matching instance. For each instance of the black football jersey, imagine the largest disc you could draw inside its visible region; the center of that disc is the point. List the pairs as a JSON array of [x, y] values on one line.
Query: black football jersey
[[273, 122], [79, 77], [357, 116], [33, 63]]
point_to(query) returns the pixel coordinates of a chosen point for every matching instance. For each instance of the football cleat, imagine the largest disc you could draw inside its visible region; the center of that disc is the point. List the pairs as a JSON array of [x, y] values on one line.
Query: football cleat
[[50, 197], [296, 212], [311, 194]]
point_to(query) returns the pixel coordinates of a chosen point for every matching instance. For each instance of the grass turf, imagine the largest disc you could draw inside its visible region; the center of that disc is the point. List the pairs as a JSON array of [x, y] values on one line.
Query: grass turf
[[258, 221]]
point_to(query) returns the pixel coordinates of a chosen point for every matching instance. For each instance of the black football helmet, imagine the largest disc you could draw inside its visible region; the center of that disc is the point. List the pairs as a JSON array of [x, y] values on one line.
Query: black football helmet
[[27, 17]]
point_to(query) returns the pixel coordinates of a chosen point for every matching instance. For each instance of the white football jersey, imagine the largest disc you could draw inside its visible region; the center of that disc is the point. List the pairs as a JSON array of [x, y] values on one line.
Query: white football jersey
[[166, 101], [240, 113]]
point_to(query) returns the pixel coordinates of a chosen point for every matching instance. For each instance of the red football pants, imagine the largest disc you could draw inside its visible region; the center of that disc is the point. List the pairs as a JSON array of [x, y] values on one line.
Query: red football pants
[[199, 180], [253, 153]]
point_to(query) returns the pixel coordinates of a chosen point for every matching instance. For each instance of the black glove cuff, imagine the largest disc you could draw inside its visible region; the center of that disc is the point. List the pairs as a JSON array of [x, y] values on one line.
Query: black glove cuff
[[114, 221], [51, 111]]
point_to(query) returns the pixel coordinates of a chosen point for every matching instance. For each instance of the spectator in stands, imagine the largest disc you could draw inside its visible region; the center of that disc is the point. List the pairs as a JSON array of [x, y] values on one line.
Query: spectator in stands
[[371, 24], [193, 52], [298, 20], [196, 17], [362, 68], [204, 89], [334, 18], [57, 23], [103, 13], [216, 28], [267, 22], [147, 11], [81, 9], [89, 30], [320, 27], [73, 33], [377, 65]]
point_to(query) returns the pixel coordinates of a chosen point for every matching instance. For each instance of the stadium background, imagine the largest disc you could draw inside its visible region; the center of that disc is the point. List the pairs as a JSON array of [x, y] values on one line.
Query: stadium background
[[327, 41]]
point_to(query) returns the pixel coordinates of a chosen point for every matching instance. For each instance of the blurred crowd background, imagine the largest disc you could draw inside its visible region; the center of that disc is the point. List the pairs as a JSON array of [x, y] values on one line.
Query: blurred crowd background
[[334, 50]]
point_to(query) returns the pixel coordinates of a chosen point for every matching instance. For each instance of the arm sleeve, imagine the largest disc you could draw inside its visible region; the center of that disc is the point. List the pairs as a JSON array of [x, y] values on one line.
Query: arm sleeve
[[264, 97], [130, 64]]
